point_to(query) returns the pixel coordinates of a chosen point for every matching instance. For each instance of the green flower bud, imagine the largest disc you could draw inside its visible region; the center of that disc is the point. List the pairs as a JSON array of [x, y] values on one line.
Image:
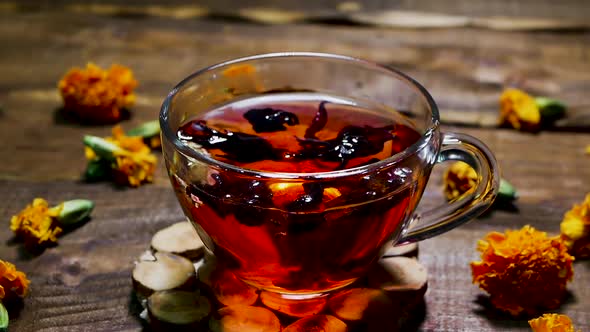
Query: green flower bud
[[74, 211]]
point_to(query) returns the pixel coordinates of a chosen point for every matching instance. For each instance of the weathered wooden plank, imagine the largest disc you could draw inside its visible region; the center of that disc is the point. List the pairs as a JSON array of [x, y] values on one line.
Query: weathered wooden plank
[[501, 15], [465, 69]]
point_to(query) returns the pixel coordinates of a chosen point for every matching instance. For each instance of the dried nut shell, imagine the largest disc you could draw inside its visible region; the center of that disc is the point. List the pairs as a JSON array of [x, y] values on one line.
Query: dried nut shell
[[242, 318], [178, 307], [166, 272], [180, 239], [295, 308], [325, 323], [399, 276]]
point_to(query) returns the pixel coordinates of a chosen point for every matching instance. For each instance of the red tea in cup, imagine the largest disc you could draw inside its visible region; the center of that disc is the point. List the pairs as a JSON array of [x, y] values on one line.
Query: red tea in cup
[[300, 236]]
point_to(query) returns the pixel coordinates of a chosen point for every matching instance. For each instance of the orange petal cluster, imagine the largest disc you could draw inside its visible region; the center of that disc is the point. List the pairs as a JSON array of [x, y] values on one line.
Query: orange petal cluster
[[524, 271], [37, 224], [458, 180], [575, 229], [12, 282], [519, 110], [552, 323], [94, 95]]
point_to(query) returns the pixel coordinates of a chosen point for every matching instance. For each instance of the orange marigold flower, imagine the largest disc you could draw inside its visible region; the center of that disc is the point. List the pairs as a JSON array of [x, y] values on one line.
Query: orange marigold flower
[[12, 281], [575, 229], [552, 323], [459, 179], [37, 224], [133, 164], [524, 271], [519, 110], [95, 95], [243, 79]]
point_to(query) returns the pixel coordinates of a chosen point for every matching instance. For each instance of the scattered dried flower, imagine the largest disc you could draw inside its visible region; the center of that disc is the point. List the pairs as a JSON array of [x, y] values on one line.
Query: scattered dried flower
[[524, 271], [527, 113], [149, 132], [519, 110], [243, 79], [95, 95], [460, 178], [130, 160], [575, 229], [552, 323], [37, 223], [12, 282]]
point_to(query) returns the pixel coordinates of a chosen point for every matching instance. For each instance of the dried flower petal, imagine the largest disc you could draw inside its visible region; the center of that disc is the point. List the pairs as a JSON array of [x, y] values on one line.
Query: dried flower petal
[[132, 161], [98, 96], [519, 110], [37, 224], [243, 79], [575, 229], [12, 281], [552, 323], [524, 271], [459, 179], [150, 132]]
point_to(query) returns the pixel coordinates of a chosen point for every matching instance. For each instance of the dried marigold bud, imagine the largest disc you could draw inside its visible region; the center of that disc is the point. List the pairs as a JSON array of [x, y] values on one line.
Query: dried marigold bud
[[524, 271], [128, 158], [37, 223], [458, 180], [519, 110], [575, 229], [94, 95], [150, 132], [12, 282], [552, 323]]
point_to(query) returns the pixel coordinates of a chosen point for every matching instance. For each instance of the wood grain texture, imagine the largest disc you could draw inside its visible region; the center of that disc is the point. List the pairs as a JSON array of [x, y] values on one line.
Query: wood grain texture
[[84, 283], [499, 14]]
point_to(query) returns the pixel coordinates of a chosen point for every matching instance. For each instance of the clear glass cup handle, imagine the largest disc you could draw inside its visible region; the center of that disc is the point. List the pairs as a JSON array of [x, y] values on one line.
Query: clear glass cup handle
[[458, 147]]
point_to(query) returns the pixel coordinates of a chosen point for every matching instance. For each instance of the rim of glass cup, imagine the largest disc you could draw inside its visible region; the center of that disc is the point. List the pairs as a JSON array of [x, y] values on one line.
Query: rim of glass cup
[[171, 135]]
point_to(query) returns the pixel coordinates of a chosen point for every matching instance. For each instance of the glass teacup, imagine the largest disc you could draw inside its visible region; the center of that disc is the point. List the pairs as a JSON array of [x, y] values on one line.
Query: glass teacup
[[250, 218]]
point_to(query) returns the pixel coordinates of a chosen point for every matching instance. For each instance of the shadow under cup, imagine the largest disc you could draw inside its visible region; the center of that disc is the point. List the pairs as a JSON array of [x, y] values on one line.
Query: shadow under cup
[[318, 250]]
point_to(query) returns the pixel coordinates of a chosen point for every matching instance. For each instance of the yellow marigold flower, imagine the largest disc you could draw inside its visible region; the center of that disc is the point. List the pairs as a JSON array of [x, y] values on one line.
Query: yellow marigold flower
[[95, 95], [37, 224], [575, 229], [459, 179], [524, 271], [519, 110], [12, 281], [133, 164], [588, 149], [552, 323]]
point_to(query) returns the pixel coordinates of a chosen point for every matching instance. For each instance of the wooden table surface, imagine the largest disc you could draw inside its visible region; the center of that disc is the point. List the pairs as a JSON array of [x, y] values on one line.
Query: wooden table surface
[[84, 283]]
